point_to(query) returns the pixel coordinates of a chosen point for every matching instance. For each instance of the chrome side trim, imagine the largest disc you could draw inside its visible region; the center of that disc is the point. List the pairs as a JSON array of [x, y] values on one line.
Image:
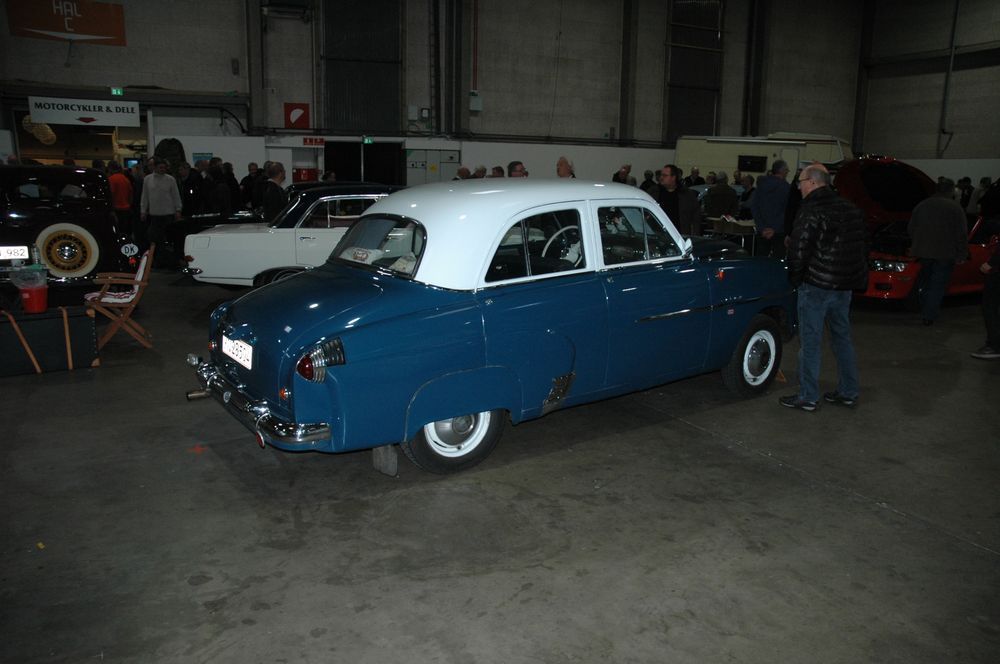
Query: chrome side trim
[[680, 312], [710, 307], [255, 415]]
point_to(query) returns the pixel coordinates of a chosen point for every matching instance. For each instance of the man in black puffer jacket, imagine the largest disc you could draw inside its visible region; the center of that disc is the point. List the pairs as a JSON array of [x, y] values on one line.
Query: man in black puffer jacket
[[828, 258]]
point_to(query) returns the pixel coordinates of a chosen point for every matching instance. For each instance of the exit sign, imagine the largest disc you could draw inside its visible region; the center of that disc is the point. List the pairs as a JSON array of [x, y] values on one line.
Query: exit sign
[[117, 92], [367, 140]]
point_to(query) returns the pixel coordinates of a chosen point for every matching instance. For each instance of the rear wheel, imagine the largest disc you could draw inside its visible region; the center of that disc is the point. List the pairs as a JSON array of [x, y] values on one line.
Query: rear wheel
[[68, 250], [457, 443], [756, 359]]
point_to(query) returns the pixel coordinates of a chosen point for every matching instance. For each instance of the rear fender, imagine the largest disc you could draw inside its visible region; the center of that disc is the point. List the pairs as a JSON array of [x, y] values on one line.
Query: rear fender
[[462, 393]]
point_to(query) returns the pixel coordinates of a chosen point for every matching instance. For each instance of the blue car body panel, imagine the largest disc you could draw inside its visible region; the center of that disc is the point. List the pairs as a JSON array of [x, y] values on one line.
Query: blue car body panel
[[415, 353]]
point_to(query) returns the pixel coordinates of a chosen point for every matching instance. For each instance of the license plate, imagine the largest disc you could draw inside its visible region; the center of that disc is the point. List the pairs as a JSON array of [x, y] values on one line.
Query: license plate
[[13, 253], [240, 351]]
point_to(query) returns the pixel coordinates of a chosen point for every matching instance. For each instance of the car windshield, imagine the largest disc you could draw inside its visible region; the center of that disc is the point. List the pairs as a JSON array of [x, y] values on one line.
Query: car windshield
[[388, 243], [293, 204]]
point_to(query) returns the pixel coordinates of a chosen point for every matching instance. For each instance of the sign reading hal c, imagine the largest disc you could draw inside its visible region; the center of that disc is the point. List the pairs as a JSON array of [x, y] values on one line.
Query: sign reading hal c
[[97, 112], [82, 21]]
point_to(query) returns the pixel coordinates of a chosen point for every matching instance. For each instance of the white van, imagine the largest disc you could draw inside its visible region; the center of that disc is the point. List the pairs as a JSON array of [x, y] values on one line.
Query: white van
[[754, 154]]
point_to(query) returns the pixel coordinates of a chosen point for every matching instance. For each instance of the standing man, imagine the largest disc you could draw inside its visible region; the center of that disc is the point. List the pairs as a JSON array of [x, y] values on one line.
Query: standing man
[[827, 259], [160, 205], [564, 168], [938, 237], [991, 307], [246, 185], [275, 196], [515, 169], [768, 210], [680, 204], [121, 197]]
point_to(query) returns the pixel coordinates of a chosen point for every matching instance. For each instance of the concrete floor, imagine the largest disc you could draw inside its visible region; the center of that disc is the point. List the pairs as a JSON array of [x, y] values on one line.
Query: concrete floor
[[675, 525]]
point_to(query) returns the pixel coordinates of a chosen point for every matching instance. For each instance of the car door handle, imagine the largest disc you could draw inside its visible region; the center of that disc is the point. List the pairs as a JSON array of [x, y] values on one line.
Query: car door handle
[[306, 237]]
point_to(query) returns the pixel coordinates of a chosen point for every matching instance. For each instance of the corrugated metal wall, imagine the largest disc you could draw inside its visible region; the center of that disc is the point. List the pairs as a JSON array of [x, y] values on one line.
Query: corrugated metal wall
[[362, 58]]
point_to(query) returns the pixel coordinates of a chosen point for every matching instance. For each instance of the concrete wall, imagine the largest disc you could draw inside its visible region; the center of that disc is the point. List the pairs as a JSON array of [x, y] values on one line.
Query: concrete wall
[[289, 68], [904, 112], [548, 69], [811, 67], [553, 70], [181, 44]]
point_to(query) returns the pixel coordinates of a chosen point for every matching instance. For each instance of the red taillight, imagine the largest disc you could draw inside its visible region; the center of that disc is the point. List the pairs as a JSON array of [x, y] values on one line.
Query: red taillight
[[305, 367], [213, 345], [312, 366]]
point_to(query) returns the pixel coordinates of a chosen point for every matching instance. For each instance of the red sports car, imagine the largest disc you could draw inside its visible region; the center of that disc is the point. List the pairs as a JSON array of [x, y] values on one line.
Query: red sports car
[[888, 190]]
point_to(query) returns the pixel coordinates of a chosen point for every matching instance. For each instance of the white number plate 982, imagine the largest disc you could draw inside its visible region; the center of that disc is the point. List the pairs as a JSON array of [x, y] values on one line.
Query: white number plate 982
[[240, 351], [12, 253]]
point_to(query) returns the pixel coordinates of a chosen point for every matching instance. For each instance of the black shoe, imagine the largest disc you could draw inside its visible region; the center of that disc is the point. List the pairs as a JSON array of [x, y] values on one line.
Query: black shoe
[[793, 401], [986, 353], [838, 398]]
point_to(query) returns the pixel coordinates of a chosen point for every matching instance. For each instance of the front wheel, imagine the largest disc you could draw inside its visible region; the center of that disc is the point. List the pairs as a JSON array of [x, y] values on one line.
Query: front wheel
[[447, 446], [756, 359]]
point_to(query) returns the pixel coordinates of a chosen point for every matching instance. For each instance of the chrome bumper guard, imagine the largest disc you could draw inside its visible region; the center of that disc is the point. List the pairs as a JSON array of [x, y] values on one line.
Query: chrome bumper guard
[[255, 415]]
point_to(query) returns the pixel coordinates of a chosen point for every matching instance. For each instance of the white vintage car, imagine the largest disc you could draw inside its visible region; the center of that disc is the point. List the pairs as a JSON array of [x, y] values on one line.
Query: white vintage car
[[300, 237]]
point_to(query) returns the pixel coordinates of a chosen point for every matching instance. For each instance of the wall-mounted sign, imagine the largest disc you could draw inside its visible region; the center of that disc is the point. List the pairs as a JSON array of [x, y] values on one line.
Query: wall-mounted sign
[[296, 115], [313, 141], [77, 20], [97, 112]]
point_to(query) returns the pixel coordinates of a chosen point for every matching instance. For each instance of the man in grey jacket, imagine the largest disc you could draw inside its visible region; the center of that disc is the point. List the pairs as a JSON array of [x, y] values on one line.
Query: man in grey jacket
[[939, 238]]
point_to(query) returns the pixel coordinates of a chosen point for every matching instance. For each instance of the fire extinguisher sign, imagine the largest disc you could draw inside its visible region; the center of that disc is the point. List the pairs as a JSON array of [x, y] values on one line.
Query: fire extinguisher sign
[[296, 115]]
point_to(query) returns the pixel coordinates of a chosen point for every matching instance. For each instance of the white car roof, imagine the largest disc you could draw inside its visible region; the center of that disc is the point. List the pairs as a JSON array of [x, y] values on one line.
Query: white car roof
[[465, 218]]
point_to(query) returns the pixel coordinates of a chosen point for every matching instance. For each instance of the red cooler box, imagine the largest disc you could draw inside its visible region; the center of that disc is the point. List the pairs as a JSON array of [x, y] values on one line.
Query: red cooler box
[[59, 339]]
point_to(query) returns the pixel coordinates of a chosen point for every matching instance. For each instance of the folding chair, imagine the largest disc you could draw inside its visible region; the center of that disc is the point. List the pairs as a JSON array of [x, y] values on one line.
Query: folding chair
[[118, 305]]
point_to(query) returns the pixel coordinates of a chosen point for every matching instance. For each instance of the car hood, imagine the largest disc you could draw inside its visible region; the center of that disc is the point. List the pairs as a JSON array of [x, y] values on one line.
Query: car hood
[[885, 189]]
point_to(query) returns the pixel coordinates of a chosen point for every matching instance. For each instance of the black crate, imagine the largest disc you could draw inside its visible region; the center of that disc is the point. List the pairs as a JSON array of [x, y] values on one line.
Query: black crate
[[46, 335]]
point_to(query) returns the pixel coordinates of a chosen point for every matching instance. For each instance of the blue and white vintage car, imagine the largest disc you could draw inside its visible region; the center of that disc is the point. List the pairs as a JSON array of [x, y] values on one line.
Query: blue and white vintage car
[[448, 308]]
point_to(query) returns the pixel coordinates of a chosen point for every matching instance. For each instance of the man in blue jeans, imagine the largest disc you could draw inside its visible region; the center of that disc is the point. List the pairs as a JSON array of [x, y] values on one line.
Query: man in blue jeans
[[827, 259]]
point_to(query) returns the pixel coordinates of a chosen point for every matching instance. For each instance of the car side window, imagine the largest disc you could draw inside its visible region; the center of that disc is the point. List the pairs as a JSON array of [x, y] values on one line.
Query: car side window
[[544, 243], [34, 191], [345, 211], [631, 234], [318, 216]]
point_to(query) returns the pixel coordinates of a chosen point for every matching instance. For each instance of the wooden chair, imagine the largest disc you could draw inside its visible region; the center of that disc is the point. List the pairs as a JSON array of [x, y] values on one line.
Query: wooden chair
[[119, 304]]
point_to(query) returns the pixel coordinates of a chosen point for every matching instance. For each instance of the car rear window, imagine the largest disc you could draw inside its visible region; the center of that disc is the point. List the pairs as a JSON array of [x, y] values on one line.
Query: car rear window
[[388, 243]]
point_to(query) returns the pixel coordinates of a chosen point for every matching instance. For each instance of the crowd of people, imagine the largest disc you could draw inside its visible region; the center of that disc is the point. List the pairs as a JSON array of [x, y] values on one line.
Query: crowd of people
[[791, 222]]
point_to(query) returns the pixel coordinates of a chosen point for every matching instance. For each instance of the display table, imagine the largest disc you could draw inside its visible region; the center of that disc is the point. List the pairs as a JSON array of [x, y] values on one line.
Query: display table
[[61, 338]]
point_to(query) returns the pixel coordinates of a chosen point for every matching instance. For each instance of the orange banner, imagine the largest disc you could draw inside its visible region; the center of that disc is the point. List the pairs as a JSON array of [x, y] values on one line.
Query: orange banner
[[81, 21]]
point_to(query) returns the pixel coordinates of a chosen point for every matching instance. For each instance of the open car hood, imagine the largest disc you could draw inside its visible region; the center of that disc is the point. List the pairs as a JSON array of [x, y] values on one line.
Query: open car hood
[[884, 188]]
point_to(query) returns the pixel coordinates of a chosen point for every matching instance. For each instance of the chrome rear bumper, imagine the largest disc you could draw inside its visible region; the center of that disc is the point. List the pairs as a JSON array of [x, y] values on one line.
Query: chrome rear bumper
[[255, 415]]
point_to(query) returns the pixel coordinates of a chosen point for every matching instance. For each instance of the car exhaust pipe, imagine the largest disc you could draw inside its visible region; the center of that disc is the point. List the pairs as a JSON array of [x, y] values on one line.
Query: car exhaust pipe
[[194, 395]]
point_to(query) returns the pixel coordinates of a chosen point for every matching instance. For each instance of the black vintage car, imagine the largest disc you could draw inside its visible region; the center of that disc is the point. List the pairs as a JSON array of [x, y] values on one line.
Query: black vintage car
[[66, 213]]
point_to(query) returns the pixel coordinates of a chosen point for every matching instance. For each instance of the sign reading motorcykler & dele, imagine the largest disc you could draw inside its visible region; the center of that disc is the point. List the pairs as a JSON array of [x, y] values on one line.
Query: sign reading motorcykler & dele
[[97, 112]]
